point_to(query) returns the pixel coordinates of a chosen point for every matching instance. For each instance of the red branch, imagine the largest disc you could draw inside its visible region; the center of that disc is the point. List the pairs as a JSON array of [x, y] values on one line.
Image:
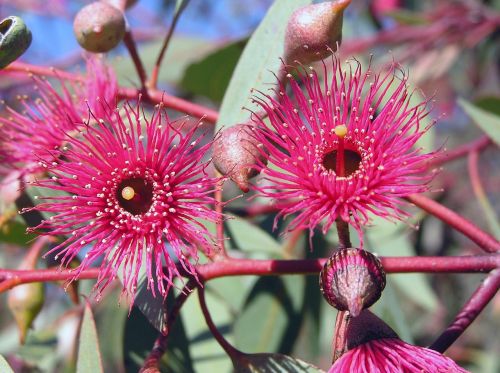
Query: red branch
[[481, 297], [481, 238], [155, 96], [241, 267], [460, 151]]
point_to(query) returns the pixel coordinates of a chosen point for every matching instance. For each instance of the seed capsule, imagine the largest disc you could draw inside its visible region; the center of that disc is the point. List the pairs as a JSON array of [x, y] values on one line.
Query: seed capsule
[[352, 280], [314, 31], [236, 151], [15, 38], [99, 27]]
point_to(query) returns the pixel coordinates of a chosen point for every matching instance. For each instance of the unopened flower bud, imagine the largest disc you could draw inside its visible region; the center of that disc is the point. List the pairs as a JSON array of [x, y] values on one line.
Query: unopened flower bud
[[25, 302], [313, 31], [352, 280], [236, 152], [15, 38], [99, 27]]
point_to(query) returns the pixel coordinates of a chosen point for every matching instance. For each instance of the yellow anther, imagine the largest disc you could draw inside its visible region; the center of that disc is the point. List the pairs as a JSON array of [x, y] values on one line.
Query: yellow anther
[[341, 130], [128, 193]]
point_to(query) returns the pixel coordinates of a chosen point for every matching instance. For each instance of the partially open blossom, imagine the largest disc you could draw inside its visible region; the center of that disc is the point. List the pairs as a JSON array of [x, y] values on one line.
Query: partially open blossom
[[343, 148], [373, 347], [29, 135], [137, 193]]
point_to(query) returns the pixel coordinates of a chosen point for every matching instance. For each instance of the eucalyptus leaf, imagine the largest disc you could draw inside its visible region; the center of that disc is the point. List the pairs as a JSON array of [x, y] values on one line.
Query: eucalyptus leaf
[[487, 121], [4, 366], [272, 315], [89, 355], [386, 239], [272, 363], [252, 239], [260, 58]]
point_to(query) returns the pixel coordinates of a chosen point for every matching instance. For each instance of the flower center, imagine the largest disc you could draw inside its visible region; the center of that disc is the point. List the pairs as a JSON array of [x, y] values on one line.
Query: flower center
[[135, 195], [352, 159]]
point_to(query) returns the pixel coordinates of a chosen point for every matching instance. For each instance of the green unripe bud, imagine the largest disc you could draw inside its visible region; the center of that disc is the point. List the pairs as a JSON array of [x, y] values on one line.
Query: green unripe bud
[[99, 27], [314, 31], [15, 38], [25, 302]]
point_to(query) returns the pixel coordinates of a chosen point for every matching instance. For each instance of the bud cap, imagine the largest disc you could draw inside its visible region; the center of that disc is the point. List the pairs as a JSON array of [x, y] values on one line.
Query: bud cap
[[352, 280]]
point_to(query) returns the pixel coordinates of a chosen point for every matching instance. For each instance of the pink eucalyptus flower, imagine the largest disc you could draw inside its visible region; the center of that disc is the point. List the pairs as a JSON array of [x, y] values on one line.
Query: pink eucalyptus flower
[[374, 347], [392, 355], [136, 193], [342, 148], [27, 136]]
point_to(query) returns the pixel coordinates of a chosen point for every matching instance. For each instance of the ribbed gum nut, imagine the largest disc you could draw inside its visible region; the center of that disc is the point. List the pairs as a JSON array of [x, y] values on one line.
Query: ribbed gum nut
[[313, 31], [236, 152], [15, 38], [99, 27], [25, 302], [352, 280]]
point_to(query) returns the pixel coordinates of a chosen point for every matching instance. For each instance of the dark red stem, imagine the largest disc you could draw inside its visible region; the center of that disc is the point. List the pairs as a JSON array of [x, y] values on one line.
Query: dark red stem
[[130, 44], [477, 302], [454, 220], [172, 102], [241, 267], [228, 348], [152, 361]]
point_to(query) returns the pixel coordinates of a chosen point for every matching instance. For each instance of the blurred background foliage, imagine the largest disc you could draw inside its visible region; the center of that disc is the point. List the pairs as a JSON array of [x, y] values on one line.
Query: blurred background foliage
[[276, 314]]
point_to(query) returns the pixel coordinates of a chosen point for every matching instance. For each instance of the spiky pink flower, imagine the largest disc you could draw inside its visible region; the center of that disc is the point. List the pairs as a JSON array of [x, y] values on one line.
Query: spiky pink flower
[[372, 346], [135, 191], [342, 148], [27, 136], [392, 355]]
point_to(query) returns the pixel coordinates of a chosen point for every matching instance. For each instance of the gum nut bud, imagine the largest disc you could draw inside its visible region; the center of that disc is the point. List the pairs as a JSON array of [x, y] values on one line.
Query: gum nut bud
[[118, 3], [99, 27], [313, 31], [25, 302], [352, 280], [15, 38], [236, 152]]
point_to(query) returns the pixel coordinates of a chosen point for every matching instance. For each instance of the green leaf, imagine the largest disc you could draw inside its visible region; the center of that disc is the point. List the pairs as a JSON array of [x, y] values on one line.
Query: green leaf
[[89, 356], [487, 121], [4, 366], [275, 363], [272, 316], [386, 239], [252, 239], [210, 76], [489, 103], [260, 57], [183, 50]]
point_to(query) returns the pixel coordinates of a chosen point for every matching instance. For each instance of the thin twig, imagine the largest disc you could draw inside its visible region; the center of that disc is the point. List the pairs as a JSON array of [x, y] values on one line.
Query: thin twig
[[477, 186], [228, 347], [152, 361], [128, 39], [477, 302], [454, 220], [156, 69]]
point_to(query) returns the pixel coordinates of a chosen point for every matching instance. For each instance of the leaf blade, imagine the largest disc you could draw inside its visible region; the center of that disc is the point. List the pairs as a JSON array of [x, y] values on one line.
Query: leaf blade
[[89, 355]]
